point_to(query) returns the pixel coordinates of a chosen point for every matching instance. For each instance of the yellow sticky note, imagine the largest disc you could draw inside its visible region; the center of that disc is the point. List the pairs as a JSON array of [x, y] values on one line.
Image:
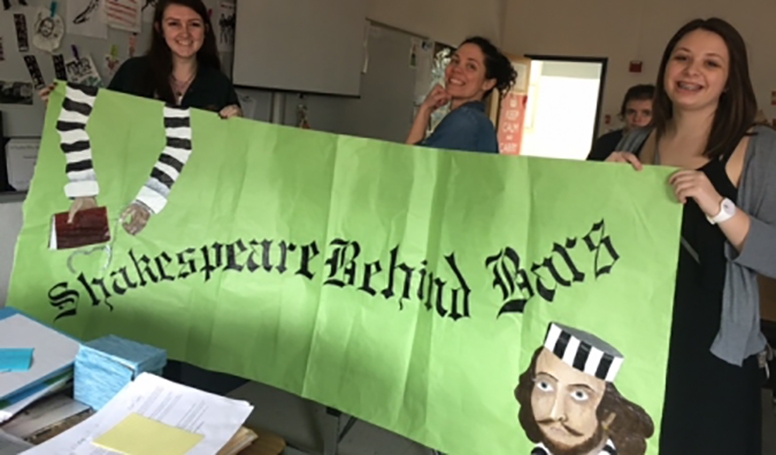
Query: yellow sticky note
[[138, 435]]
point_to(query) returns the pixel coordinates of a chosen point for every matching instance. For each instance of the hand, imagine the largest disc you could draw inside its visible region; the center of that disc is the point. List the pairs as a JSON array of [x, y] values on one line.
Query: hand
[[437, 98], [695, 185], [625, 157], [80, 203], [45, 92], [135, 218], [230, 111]]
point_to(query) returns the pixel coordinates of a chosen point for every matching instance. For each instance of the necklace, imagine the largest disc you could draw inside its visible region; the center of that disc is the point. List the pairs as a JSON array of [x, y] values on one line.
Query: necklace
[[180, 87]]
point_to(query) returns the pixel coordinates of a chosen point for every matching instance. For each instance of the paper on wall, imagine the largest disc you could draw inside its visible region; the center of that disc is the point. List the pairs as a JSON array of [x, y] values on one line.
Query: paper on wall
[[48, 30], [224, 24], [83, 71], [123, 14], [21, 156], [83, 18]]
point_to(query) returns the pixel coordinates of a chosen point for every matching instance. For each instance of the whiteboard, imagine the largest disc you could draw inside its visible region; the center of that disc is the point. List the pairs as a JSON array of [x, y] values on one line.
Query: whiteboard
[[310, 46]]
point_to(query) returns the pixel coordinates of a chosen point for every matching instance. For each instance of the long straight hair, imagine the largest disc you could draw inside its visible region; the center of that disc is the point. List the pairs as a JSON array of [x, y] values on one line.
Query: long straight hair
[[160, 56], [737, 106]]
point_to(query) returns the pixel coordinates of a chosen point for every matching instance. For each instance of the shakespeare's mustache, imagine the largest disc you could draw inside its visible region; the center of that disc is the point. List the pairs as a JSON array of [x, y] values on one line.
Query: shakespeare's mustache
[[572, 431]]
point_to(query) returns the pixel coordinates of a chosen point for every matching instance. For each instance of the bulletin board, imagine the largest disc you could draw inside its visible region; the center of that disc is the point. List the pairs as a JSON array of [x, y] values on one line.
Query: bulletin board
[[84, 28], [90, 30]]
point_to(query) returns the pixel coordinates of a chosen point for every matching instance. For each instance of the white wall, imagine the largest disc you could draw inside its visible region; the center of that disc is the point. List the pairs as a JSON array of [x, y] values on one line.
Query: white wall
[[10, 225], [446, 21], [636, 30]]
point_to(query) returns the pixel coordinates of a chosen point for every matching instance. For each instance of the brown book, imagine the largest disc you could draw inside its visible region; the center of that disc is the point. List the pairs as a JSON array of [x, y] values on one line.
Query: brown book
[[89, 227]]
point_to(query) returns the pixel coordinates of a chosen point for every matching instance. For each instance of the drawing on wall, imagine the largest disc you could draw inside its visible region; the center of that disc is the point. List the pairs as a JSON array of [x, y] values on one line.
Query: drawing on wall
[[123, 14], [112, 61], [568, 401], [82, 71], [15, 92], [149, 6], [48, 30], [83, 19], [226, 23]]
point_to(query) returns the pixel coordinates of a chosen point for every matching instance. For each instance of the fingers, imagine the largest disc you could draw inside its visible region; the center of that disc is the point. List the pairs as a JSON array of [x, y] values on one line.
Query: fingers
[[134, 219], [230, 111], [73, 210], [625, 157]]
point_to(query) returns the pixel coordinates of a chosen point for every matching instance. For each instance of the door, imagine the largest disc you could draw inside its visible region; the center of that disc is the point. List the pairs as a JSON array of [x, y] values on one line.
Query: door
[[553, 110]]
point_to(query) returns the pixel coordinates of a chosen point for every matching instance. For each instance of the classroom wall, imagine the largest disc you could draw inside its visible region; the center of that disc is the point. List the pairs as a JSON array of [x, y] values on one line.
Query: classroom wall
[[630, 30], [446, 21]]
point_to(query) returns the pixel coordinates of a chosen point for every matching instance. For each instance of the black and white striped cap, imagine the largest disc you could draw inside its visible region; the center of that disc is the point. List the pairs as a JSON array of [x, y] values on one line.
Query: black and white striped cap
[[584, 351]]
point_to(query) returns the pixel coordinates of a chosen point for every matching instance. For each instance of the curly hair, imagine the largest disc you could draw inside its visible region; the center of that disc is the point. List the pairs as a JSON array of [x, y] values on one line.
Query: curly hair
[[629, 430], [497, 65]]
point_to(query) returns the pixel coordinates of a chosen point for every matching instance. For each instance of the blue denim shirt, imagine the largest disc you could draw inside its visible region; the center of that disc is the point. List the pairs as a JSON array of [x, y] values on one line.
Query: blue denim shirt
[[466, 128]]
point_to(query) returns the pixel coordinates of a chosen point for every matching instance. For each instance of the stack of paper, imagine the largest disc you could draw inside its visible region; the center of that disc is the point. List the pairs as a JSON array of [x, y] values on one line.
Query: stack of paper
[[154, 416], [50, 368]]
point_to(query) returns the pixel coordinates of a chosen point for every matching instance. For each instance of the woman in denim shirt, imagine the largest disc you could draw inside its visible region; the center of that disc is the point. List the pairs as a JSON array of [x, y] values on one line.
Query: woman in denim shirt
[[476, 68]]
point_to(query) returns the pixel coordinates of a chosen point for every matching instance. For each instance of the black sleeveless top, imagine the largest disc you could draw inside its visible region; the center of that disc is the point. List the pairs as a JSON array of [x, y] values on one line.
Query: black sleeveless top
[[711, 407]]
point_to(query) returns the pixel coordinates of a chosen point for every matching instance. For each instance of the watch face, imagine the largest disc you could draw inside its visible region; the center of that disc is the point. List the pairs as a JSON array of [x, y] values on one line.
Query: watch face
[[728, 206]]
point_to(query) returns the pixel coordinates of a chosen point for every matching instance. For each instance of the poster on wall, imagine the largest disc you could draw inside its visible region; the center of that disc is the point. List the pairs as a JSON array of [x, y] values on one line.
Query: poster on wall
[[510, 123], [123, 14], [224, 24], [323, 268], [16, 92], [82, 18]]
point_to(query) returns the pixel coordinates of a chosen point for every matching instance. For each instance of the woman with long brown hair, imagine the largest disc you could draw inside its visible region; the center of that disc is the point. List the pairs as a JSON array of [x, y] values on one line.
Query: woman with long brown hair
[[182, 66], [704, 124]]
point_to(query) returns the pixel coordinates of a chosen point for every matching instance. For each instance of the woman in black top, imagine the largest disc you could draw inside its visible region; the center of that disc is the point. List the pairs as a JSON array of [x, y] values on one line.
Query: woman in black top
[[182, 67], [704, 112]]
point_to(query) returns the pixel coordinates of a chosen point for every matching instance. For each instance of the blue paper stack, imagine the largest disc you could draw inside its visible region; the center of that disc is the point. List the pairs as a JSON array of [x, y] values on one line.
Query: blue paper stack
[[105, 365]]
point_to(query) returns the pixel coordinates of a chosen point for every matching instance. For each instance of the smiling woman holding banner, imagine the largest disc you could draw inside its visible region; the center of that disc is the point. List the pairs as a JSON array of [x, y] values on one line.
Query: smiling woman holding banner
[[475, 70], [704, 124], [182, 66]]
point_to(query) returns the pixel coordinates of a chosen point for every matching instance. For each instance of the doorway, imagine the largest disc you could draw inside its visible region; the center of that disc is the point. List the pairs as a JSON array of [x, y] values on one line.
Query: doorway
[[561, 107]]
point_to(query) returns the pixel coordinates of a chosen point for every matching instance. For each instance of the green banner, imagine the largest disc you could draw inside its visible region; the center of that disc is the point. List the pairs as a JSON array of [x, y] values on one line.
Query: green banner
[[476, 304]]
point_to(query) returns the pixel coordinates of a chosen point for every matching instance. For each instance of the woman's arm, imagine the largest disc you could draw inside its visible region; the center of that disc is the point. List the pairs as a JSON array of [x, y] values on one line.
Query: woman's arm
[[437, 98], [419, 126], [751, 234]]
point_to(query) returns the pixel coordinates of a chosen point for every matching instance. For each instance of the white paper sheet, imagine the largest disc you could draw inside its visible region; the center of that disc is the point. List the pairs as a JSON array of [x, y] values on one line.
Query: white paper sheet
[[53, 352], [10, 445], [216, 418], [82, 17], [44, 414], [21, 156]]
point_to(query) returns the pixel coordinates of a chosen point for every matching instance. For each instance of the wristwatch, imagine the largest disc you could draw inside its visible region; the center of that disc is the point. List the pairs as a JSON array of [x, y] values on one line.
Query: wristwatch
[[727, 209]]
